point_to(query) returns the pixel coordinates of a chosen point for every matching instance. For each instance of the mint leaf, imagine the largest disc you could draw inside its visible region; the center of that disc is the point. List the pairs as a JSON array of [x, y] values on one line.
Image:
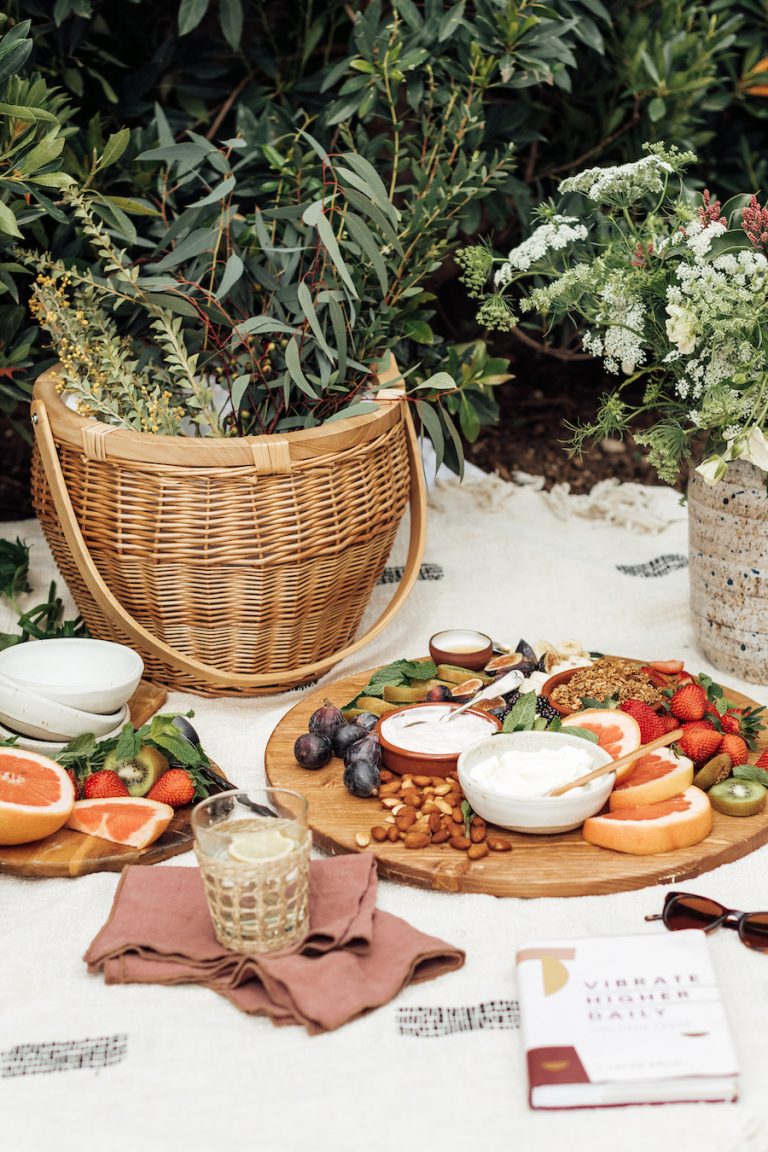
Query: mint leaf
[[128, 743], [522, 714], [398, 673], [81, 748], [751, 772], [583, 733]]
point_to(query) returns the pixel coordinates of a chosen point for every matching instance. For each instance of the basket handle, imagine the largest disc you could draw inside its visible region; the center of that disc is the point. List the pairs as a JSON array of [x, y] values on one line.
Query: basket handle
[[164, 652]]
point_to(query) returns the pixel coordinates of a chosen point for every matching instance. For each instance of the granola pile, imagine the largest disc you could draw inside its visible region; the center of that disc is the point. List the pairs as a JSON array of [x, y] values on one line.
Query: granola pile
[[610, 676]]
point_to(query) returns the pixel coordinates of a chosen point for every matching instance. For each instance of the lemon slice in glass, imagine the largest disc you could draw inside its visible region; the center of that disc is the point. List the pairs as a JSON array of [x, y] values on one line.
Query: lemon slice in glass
[[260, 847]]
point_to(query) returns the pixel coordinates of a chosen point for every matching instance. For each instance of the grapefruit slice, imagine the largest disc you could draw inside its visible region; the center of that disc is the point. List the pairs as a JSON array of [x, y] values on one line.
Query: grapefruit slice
[[36, 796], [650, 828], [651, 779], [123, 819], [616, 731]]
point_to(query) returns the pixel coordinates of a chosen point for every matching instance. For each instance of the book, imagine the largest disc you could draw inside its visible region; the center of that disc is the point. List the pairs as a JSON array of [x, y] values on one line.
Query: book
[[624, 1020]]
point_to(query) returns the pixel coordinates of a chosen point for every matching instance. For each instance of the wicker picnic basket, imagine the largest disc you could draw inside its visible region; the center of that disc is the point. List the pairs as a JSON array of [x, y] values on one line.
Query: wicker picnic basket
[[237, 566]]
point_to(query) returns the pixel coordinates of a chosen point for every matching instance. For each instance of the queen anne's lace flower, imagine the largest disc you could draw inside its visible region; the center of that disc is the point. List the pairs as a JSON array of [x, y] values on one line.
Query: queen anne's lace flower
[[620, 184], [699, 236], [556, 234], [681, 328]]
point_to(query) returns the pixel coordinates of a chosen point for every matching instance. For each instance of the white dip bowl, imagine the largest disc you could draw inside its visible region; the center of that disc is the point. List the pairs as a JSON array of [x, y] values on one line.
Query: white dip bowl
[[488, 791], [93, 675]]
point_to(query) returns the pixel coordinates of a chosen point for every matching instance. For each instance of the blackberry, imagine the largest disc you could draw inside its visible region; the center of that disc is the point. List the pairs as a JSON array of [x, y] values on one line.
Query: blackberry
[[512, 697], [545, 709]]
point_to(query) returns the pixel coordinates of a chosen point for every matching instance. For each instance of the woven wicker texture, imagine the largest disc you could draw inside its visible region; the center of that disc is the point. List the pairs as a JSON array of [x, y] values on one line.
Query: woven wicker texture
[[246, 570]]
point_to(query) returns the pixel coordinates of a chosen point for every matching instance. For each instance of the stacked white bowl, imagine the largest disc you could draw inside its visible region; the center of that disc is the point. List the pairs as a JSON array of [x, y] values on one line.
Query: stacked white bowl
[[52, 691]]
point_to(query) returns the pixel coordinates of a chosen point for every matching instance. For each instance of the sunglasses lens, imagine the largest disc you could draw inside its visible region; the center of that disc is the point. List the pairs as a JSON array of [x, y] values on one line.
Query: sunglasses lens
[[692, 912], [754, 931]]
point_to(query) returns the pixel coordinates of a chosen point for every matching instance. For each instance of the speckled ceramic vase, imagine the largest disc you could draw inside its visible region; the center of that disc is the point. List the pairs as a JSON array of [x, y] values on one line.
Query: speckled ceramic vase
[[728, 546]]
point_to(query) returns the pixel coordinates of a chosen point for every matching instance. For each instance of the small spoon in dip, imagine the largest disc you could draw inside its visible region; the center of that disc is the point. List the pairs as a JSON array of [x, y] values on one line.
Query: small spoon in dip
[[622, 762], [504, 684]]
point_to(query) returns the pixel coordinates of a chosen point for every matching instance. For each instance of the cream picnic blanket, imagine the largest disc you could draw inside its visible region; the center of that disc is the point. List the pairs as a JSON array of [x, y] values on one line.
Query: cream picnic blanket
[[155, 1068]]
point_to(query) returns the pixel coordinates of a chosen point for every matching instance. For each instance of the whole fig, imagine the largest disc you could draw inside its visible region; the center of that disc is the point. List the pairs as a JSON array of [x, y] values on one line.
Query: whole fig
[[325, 720], [313, 751], [366, 720], [367, 748], [361, 778], [344, 737]]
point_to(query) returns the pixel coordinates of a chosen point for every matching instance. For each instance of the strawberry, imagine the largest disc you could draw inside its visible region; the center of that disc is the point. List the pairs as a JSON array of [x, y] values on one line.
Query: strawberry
[[699, 743], [103, 786], [666, 667], [669, 722], [174, 787], [736, 747], [689, 702], [762, 760], [75, 785], [705, 722], [730, 723], [651, 725]]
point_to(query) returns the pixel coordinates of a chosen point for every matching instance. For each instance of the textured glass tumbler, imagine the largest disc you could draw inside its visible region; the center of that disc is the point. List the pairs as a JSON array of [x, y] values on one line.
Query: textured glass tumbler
[[253, 851]]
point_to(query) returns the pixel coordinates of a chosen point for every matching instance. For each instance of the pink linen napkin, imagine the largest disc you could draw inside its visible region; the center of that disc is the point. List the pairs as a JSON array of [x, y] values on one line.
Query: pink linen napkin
[[355, 958]]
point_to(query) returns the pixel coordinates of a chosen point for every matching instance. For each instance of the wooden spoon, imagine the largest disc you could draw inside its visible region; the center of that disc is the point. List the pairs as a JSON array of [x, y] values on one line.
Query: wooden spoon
[[622, 762]]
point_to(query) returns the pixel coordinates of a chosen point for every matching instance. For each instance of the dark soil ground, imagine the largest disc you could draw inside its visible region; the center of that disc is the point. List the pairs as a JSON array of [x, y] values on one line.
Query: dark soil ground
[[544, 394]]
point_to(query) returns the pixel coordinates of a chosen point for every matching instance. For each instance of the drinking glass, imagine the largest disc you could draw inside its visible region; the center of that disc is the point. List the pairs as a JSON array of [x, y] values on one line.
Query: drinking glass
[[253, 851]]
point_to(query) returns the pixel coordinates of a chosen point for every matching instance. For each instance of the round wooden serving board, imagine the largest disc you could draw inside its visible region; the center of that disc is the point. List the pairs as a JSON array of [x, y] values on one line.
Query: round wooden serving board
[[556, 865], [70, 853]]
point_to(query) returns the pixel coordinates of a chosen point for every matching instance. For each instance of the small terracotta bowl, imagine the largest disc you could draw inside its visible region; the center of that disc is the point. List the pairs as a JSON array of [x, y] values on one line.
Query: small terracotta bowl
[[403, 762], [461, 646], [562, 678]]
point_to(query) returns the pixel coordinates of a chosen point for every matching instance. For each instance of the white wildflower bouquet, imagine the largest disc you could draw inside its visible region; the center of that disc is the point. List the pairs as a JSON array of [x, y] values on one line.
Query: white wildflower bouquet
[[668, 287]]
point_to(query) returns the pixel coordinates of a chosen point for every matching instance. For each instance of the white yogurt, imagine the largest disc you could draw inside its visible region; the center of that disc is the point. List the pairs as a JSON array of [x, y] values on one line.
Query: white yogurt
[[436, 736], [522, 775]]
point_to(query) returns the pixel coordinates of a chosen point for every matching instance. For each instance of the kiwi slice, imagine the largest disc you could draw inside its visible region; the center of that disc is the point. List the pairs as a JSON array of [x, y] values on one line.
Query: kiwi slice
[[140, 772], [715, 770], [734, 797]]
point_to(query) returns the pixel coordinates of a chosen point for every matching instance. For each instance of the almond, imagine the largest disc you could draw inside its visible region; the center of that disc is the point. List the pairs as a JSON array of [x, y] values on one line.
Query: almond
[[478, 833], [393, 835], [496, 844], [385, 776], [362, 839], [379, 833], [459, 842], [405, 819], [442, 789], [441, 806], [457, 815], [441, 837], [416, 839], [389, 789], [434, 822], [429, 806], [413, 799], [477, 851], [422, 781], [391, 802]]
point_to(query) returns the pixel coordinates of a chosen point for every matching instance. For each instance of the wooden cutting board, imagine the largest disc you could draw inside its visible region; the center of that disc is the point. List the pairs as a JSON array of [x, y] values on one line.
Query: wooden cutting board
[[555, 865], [70, 853]]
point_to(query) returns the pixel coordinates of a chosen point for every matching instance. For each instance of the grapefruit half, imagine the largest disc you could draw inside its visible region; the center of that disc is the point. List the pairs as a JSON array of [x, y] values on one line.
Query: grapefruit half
[[651, 779], [123, 819], [650, 828], [616, 731], [36, 796]]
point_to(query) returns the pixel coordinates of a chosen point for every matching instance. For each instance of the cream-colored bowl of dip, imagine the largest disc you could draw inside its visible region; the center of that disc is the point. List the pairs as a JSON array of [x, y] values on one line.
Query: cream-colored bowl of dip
[[431, 748], [506, 779]]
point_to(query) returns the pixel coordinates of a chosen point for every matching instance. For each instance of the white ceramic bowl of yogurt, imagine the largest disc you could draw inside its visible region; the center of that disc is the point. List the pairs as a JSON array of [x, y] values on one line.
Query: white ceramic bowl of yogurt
[[506, 777]]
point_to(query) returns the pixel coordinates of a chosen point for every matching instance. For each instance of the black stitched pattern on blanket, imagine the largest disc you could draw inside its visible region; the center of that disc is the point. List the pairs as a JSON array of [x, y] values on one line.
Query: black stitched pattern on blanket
[[430, 1023], [63, 1055], [660, 566], [394, 574]]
